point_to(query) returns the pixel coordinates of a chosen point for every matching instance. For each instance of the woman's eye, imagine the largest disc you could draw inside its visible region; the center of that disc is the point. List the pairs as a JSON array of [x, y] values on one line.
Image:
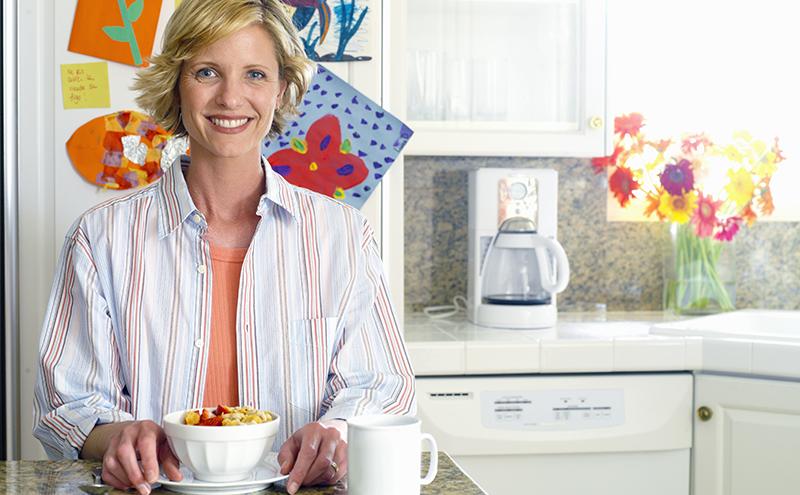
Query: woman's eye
[[257, 75], [205, 73]]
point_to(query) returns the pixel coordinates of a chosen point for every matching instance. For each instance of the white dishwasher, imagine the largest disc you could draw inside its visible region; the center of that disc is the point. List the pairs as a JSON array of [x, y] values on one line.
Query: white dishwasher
[[615, 433]]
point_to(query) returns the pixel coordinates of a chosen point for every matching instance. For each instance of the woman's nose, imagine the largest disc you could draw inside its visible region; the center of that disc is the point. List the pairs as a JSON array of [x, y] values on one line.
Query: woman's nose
[[230, 93]]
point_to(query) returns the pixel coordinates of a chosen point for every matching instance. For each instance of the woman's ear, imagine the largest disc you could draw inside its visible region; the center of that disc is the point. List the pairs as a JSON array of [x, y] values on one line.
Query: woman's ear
[[284, 84]]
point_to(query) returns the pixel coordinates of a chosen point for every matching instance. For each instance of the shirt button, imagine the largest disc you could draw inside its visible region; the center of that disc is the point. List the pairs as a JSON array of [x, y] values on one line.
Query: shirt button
[[201, 269], [198, 343], [197, 217]]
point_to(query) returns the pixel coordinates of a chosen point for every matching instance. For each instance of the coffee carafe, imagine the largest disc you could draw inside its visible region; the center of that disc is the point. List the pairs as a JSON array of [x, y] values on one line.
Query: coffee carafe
[[516, 265], [518, 270]]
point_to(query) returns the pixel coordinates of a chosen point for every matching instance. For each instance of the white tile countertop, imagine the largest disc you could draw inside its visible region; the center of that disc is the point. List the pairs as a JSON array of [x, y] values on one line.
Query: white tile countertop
[[751, 341], [744, 341], [592, 342]]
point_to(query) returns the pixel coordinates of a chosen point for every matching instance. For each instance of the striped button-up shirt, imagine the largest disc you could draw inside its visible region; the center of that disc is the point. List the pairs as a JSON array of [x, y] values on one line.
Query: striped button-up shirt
[[129, 316]]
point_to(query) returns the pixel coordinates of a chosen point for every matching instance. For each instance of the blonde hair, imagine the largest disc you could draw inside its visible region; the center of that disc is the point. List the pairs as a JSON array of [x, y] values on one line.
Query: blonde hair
[[196, 25]]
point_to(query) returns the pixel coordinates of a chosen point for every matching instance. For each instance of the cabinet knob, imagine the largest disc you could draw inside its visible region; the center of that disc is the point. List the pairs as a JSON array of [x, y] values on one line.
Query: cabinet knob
[[704, 413], [596, 122]]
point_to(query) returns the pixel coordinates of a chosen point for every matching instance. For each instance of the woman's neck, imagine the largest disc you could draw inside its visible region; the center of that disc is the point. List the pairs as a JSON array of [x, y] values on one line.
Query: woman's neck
[[227, 193]]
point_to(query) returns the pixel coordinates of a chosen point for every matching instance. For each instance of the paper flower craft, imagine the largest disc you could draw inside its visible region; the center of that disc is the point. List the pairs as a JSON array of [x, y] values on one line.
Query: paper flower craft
[[121, 150], [340, 145], [114, 30]]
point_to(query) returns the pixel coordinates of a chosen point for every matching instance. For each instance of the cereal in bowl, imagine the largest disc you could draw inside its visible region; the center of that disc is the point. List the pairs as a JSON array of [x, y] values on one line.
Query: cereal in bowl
[[227, 416]]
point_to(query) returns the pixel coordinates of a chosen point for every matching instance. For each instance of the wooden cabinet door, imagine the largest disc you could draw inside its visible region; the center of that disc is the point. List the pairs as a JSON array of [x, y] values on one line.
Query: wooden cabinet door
[[750, 445]]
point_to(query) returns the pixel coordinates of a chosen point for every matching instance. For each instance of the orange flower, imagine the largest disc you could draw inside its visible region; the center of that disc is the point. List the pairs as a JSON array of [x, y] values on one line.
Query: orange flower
[[748, 215], [599, 164], [629, 125], [778, 152], [653, 202], [764, 200], [661, 145], [622, 184]]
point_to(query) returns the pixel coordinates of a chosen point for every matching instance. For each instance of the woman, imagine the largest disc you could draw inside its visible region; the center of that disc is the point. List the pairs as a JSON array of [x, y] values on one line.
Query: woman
[[220, 283]]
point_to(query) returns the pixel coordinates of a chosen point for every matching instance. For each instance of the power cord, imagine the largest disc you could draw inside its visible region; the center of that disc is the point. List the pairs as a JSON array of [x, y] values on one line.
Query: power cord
[[436, 312]]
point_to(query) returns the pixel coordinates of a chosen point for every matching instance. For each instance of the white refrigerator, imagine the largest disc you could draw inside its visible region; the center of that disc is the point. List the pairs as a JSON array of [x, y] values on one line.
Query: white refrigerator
[[44, 193]]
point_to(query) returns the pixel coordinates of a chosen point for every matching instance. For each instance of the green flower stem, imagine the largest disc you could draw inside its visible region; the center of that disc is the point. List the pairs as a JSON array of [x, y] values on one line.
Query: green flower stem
[[137, 57], [697, 283]]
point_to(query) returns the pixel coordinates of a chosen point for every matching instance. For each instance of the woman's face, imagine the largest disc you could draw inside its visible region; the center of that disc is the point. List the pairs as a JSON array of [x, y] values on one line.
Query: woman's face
[[229, 93]]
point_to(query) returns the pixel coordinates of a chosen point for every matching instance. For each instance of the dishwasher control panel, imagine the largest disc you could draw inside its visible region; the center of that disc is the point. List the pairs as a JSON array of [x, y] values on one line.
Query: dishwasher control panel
[[552, 409]]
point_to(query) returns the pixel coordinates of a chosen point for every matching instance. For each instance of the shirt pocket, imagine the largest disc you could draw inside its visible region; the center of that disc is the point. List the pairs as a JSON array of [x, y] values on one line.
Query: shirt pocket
[[310, 351]]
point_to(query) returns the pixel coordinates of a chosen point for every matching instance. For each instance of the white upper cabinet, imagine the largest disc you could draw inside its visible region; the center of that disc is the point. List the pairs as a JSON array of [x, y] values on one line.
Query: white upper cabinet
[[500, 77]]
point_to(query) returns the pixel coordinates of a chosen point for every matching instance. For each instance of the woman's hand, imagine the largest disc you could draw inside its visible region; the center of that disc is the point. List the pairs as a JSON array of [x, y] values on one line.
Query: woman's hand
[[123, 445], [316, 454]]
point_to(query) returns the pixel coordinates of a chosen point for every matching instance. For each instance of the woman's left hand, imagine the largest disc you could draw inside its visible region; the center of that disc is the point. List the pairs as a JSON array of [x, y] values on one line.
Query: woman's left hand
[[316, 454]]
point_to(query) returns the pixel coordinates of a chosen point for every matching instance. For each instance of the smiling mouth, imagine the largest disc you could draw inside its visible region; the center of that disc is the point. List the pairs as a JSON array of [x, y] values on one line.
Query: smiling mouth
[[229, 123]]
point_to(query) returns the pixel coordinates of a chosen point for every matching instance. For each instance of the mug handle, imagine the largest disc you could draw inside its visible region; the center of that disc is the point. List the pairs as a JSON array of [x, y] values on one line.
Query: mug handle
[[434, 461]]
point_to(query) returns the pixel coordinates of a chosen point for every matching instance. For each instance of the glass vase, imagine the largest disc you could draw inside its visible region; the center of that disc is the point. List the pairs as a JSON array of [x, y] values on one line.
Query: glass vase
[[699, 273]]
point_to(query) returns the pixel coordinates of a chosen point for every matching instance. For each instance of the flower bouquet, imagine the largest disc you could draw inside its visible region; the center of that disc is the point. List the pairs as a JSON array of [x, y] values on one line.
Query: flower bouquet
[[707, 188]]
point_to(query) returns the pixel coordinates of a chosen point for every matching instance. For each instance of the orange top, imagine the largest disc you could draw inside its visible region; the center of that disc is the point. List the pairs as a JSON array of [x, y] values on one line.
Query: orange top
[[222, 377]]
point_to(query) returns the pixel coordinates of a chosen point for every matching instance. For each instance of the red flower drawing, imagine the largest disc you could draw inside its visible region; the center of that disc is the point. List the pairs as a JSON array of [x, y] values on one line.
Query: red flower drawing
[[321, 162]]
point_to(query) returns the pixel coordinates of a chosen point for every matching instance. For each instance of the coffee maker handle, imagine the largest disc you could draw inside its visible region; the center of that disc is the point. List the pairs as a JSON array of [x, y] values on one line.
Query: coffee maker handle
[[562, 267]]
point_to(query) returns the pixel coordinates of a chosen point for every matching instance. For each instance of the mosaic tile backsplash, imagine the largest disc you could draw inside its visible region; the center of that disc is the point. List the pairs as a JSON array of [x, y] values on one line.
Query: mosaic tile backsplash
[[618, 264]]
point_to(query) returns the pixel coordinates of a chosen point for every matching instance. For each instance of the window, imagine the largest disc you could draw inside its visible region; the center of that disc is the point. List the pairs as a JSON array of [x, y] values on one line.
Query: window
[[708, 65]]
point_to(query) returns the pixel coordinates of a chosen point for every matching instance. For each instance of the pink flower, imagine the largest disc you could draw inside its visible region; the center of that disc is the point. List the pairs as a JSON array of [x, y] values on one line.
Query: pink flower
[[678, 179], [728, 228], [705, 216]]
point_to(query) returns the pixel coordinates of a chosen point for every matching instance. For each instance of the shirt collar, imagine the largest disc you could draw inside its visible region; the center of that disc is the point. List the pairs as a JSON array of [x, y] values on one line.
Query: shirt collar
[[279, 192], [176, 205]]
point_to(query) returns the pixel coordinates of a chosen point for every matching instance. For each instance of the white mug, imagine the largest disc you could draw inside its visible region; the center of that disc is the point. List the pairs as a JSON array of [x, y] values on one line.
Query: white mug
[[383, 455]]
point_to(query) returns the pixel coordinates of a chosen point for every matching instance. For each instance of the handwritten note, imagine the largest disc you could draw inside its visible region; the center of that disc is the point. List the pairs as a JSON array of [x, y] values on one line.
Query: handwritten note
[[85, 85]]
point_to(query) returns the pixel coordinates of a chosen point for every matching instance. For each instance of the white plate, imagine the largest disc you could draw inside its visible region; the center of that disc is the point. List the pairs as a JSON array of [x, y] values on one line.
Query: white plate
[[267, 473]]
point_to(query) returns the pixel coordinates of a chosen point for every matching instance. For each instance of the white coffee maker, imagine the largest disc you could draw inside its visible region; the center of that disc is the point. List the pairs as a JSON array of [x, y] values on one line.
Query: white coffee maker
[[516, 265]]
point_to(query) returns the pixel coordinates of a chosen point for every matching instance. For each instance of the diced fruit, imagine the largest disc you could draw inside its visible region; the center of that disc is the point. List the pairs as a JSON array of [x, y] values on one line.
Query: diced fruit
[[206, 414], [212, 421], [223, 410]]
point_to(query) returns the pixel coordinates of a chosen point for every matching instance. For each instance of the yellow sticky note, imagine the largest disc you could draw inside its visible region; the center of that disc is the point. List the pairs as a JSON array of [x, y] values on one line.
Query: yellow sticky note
[[85, 85], [177, 2]]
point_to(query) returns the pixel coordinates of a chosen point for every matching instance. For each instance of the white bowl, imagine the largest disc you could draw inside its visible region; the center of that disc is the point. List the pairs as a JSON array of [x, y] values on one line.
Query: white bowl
[[220, 453]]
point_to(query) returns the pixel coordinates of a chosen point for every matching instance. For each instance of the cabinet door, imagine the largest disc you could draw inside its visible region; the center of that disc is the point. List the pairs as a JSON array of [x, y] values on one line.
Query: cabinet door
[[751, 442], [500, 77]]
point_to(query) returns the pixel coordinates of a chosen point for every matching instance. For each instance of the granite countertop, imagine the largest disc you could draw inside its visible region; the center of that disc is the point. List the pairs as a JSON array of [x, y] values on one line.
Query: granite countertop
[[23, 477], [755, 342]]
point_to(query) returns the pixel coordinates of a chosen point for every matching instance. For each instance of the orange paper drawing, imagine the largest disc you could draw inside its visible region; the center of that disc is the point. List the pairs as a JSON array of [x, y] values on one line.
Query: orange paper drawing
[[123, 31], [119, 151]]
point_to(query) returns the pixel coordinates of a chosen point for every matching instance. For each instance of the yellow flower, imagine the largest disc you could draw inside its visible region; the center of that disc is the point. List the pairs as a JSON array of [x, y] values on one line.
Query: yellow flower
[[740, 186], [766, 166], [742, 134], [762, 159], [732, 153], [677, 208]]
